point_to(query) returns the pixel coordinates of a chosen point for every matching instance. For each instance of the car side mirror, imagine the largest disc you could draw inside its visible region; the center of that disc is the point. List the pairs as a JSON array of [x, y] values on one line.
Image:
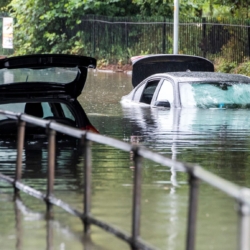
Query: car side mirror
[[162, 104]]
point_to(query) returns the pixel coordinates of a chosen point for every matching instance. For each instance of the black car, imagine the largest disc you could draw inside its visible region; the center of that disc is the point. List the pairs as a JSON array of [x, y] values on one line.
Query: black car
[[44, 86], [194, 85]]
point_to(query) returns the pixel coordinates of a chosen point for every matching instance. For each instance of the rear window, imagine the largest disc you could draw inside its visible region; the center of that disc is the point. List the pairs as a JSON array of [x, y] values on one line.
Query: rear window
[[53, 75], [40, 110]]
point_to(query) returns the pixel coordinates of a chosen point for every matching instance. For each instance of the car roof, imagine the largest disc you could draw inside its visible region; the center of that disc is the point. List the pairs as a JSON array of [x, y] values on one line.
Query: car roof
[[44, 73], [144, 66], [206, 77]]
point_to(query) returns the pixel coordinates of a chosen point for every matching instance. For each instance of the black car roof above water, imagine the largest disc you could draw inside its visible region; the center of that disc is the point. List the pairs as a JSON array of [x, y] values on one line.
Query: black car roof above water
[[144, 66]]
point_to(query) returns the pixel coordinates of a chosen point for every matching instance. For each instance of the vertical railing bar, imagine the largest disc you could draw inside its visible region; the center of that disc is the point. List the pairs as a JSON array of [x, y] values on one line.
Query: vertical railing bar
[[20, 143], [136, 198], [51, 166], [244, 227], [87, 181], [192, 212]]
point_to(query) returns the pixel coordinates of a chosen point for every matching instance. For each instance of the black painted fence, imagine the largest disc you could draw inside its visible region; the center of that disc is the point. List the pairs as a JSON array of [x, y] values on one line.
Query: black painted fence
[[117, 39]]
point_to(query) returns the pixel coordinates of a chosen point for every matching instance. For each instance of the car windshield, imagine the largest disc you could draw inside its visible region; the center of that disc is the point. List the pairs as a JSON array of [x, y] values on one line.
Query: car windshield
[[215, 94], [49, 75]]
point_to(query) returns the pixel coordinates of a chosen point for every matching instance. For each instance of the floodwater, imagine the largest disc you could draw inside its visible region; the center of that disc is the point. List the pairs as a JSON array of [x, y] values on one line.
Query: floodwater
[[217, 140]]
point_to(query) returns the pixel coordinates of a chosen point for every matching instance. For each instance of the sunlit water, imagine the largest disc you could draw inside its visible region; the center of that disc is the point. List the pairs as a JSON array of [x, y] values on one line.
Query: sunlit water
[[217, 139]]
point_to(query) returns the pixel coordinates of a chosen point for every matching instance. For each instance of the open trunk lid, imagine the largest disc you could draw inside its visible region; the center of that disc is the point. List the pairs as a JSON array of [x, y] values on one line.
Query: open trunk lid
[[144, 66], [44, 74]]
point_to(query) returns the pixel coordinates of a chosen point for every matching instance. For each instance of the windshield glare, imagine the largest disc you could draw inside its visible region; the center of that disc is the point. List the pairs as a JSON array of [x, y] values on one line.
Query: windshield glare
[[215, 95], [53, 75]]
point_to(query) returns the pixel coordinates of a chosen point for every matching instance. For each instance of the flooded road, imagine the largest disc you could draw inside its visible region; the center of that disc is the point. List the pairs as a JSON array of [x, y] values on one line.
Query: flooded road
[[217, 140]]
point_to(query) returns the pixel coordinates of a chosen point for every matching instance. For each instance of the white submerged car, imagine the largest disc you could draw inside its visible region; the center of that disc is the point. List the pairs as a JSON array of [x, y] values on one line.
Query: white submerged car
[[182, 81]]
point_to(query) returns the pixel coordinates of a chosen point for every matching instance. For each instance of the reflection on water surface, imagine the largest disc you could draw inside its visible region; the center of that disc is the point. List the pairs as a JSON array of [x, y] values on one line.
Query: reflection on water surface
[[218, 140]]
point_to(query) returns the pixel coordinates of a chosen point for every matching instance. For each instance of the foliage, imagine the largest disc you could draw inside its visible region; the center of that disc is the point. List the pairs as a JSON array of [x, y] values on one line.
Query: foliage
[[155, 8], [223, 65], [47, 26], [111, 7], [243, 68], [237, 8], [4, 3]]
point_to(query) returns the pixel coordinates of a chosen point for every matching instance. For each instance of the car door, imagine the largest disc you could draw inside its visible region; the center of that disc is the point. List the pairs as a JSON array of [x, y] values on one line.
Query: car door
[[164, 94]]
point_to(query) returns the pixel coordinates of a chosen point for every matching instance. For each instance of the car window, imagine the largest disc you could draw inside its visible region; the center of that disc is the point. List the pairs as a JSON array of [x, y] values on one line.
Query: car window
[[48, 110], [67, 112], [166, 93], [215, 94], [48, 75], [138, 92], [148, 92], [13, 107]]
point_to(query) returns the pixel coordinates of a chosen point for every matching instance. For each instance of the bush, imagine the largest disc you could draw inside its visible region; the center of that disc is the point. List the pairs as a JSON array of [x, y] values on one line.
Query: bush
[[223, 65], [243, 68]]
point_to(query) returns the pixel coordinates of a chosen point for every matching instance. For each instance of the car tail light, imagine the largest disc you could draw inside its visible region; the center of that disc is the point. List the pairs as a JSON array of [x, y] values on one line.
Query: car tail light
[[90, 128]]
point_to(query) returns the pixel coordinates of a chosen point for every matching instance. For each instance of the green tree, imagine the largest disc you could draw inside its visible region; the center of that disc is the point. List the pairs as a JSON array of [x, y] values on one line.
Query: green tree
[[111, 8], [45, 25], [4, 4]]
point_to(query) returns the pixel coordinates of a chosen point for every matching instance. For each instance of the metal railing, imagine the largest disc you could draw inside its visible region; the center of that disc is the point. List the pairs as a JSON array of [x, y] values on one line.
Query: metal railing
[[196, 174]]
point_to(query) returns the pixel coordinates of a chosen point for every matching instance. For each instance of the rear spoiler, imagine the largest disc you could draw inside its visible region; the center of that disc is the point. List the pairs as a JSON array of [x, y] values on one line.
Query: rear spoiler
[[47, 60], [144, 66]]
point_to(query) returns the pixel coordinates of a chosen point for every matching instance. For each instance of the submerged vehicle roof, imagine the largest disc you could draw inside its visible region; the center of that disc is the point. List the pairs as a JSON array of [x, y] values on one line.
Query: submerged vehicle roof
[[44, 73], [144, 66], [208, 77]]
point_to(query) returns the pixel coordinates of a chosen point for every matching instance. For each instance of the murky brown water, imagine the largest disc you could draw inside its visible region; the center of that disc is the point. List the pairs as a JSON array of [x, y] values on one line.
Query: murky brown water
[[218, 140]]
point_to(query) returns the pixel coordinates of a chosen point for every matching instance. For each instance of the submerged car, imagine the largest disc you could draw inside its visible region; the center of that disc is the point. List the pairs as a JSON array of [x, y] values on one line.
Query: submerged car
[[44, 86], [197, 86]]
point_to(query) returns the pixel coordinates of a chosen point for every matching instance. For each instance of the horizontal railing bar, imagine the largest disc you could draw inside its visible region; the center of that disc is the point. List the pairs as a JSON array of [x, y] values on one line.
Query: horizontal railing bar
[[29, 190], [109, 141], [57, 202], [239, 193], [35, 193], [65, 206], [117, 232], [67, 130], [210, 178], [7, 179], [35, 121], [163, 160], [10, 114]]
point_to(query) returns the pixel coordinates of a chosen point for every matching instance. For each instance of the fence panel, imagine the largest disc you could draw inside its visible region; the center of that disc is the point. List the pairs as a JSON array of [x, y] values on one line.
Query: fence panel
[[116, 39]]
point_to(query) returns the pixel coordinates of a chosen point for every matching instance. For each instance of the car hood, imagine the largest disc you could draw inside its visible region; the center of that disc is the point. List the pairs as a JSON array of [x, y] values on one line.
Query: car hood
[[144, 66], [44, 74]]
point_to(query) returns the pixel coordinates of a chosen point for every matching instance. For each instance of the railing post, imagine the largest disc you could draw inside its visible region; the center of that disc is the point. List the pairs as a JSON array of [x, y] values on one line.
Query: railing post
[[87, 181], [192, 212], [244, 225], [49, 235], [51, 166], [136, 198], [20, 143]]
